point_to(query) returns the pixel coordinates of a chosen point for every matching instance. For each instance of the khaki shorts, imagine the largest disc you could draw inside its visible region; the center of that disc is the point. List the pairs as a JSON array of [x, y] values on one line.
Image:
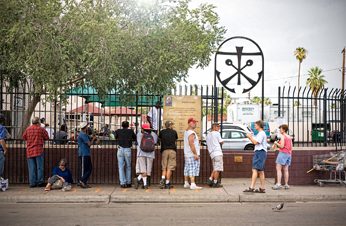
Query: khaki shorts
[[144, 165], [169, 160], [218, 163]]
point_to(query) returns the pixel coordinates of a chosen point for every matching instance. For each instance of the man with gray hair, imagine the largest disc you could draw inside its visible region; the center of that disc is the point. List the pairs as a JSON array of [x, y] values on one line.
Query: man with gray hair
[[35, 136], [168, 138]]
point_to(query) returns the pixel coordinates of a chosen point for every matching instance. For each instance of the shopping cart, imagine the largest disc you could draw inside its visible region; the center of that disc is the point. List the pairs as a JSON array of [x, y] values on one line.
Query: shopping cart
[[334, 163]]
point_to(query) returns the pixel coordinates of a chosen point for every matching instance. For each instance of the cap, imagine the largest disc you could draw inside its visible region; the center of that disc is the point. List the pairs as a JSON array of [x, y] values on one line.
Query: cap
[[83, 125], [168, 123], [191, 120], [146, 126]]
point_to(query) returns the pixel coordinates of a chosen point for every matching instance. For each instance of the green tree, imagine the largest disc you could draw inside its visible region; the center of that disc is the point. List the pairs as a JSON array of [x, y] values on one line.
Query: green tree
[[315, 81], [300, 54], [56, 44], [258, 100]]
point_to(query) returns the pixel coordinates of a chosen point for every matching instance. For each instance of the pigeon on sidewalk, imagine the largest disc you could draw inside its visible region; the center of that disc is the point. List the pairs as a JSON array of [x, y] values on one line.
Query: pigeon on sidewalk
[[278, 207]]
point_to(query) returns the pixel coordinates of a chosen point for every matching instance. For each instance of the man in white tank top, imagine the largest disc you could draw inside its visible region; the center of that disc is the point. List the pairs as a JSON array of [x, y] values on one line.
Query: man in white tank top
[[191, 154]]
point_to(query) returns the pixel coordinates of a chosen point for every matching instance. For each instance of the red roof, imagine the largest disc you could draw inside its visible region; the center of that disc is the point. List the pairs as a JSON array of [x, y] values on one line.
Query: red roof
[[123, 111], [89, 108]]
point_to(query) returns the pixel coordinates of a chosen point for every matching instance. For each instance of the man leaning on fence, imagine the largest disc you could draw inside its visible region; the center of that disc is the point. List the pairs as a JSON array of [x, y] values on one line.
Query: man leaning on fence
[[168, 138], [35, 136], [84, 143], [125, 137], [3, 146], [214, 142]]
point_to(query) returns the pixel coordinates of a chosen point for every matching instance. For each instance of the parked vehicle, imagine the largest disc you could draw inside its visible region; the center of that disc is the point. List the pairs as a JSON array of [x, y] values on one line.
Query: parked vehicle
[[275, 135], [266, 128], [236, 140], [227, 126]]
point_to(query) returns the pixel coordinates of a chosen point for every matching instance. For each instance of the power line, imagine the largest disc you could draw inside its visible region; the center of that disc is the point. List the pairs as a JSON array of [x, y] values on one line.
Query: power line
[[303, 75]]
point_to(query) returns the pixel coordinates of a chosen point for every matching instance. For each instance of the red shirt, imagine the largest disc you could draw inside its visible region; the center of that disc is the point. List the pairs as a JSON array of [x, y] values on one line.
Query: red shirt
[[35, 136]]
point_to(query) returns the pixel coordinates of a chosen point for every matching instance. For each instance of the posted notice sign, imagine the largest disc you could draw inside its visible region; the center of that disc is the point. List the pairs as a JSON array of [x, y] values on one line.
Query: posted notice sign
[[179, 109]]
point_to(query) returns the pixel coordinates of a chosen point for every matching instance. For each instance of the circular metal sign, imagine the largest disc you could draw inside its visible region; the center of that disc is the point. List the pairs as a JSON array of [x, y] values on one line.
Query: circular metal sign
[[239, 64]]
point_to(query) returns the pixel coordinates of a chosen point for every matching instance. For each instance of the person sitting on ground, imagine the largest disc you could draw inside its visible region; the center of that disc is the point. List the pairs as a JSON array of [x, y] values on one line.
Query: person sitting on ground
[[61, 177]]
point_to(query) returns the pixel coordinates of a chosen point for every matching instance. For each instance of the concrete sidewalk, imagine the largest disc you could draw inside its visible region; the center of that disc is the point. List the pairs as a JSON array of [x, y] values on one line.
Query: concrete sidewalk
[[231, 192]]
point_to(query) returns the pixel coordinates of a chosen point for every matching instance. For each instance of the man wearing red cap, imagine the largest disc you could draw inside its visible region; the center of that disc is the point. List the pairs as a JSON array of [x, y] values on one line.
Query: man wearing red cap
[[191, 154], [146, 140]]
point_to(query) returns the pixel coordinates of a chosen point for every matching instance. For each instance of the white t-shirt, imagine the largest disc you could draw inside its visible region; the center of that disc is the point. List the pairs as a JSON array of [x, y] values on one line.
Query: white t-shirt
[[261, 138], [141, 153], [213, 142], [154, 114], [187, 149]]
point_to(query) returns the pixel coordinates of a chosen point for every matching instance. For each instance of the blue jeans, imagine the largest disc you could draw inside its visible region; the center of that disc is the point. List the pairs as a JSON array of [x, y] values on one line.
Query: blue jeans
[[2, 163], [35, 166], [124, 157]]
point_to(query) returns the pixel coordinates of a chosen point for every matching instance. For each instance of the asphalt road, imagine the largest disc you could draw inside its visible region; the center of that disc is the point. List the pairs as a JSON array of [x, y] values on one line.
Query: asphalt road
[[173, 214]]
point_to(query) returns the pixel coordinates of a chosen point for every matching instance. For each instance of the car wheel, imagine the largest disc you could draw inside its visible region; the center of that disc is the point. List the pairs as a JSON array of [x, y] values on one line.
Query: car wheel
[[249, 147]]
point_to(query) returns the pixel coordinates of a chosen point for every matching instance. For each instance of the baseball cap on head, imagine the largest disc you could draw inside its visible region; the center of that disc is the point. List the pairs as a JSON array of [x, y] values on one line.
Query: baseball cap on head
[[192, 120], [83, 125], [146, 126], [168, 123]]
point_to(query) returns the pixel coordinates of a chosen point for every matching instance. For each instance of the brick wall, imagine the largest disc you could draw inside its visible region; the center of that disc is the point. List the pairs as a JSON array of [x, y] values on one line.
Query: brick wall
[[105, 167]]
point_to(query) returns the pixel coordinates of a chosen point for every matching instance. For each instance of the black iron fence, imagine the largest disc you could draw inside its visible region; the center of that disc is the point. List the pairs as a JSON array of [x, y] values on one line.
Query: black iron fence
[[104, 113], [315, 118]]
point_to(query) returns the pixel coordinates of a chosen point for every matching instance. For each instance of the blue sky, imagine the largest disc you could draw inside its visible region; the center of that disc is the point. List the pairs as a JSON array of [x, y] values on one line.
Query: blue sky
[[279, 27]]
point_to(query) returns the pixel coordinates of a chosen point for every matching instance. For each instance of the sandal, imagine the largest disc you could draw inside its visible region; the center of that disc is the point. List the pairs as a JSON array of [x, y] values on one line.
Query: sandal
[[260, 190], [249, 190]]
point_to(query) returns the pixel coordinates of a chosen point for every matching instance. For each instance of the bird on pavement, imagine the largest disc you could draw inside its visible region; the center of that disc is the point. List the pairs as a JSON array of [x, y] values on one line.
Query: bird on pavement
[[278, 207]]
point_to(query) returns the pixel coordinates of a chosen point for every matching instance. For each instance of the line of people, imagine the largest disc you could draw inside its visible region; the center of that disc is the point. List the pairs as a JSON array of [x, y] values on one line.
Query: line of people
[[146, 140]]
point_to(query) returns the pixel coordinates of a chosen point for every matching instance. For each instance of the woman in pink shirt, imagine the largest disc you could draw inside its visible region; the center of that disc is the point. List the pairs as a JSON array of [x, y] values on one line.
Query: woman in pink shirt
[[284, 158]]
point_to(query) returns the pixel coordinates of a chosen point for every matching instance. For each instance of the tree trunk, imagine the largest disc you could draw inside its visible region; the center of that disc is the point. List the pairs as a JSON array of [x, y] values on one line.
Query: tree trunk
[[299, 75], [34, 100]]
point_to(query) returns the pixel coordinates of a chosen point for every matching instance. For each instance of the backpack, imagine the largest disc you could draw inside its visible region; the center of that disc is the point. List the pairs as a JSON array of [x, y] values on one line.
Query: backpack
[[147, 143]]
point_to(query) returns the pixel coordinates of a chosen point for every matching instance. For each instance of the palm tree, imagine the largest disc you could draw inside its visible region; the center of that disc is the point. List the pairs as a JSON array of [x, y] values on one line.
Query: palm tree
[[316, 81], [300, 54]]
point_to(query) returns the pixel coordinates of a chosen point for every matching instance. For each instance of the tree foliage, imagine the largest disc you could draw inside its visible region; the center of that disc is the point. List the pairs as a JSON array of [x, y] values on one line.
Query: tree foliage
[[258, 100], [300, 54], [107, 44]]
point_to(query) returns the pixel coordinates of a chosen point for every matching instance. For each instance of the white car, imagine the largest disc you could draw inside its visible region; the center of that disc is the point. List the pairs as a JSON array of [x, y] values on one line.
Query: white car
[[236, 140], [227, 126]]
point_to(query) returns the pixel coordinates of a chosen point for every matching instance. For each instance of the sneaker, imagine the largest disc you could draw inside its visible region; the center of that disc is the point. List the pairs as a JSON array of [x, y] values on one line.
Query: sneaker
[[168, 186], [195, 187], [87, 186], [67, 188], [123, 186], [277, 187], [162, 183], [145, 187], [135, 182], [82, 184], [186, 185], [286, 186], [217, 185], [128, 185], [210, 182]]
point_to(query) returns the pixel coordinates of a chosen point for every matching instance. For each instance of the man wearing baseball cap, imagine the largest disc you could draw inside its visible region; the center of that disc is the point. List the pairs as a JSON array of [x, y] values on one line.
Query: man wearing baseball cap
[[84, 155], [191, 154], [168, 138]]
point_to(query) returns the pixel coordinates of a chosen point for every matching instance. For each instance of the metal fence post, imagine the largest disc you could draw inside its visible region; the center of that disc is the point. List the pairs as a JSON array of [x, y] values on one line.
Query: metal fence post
[[325, 118], [279, 101]]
